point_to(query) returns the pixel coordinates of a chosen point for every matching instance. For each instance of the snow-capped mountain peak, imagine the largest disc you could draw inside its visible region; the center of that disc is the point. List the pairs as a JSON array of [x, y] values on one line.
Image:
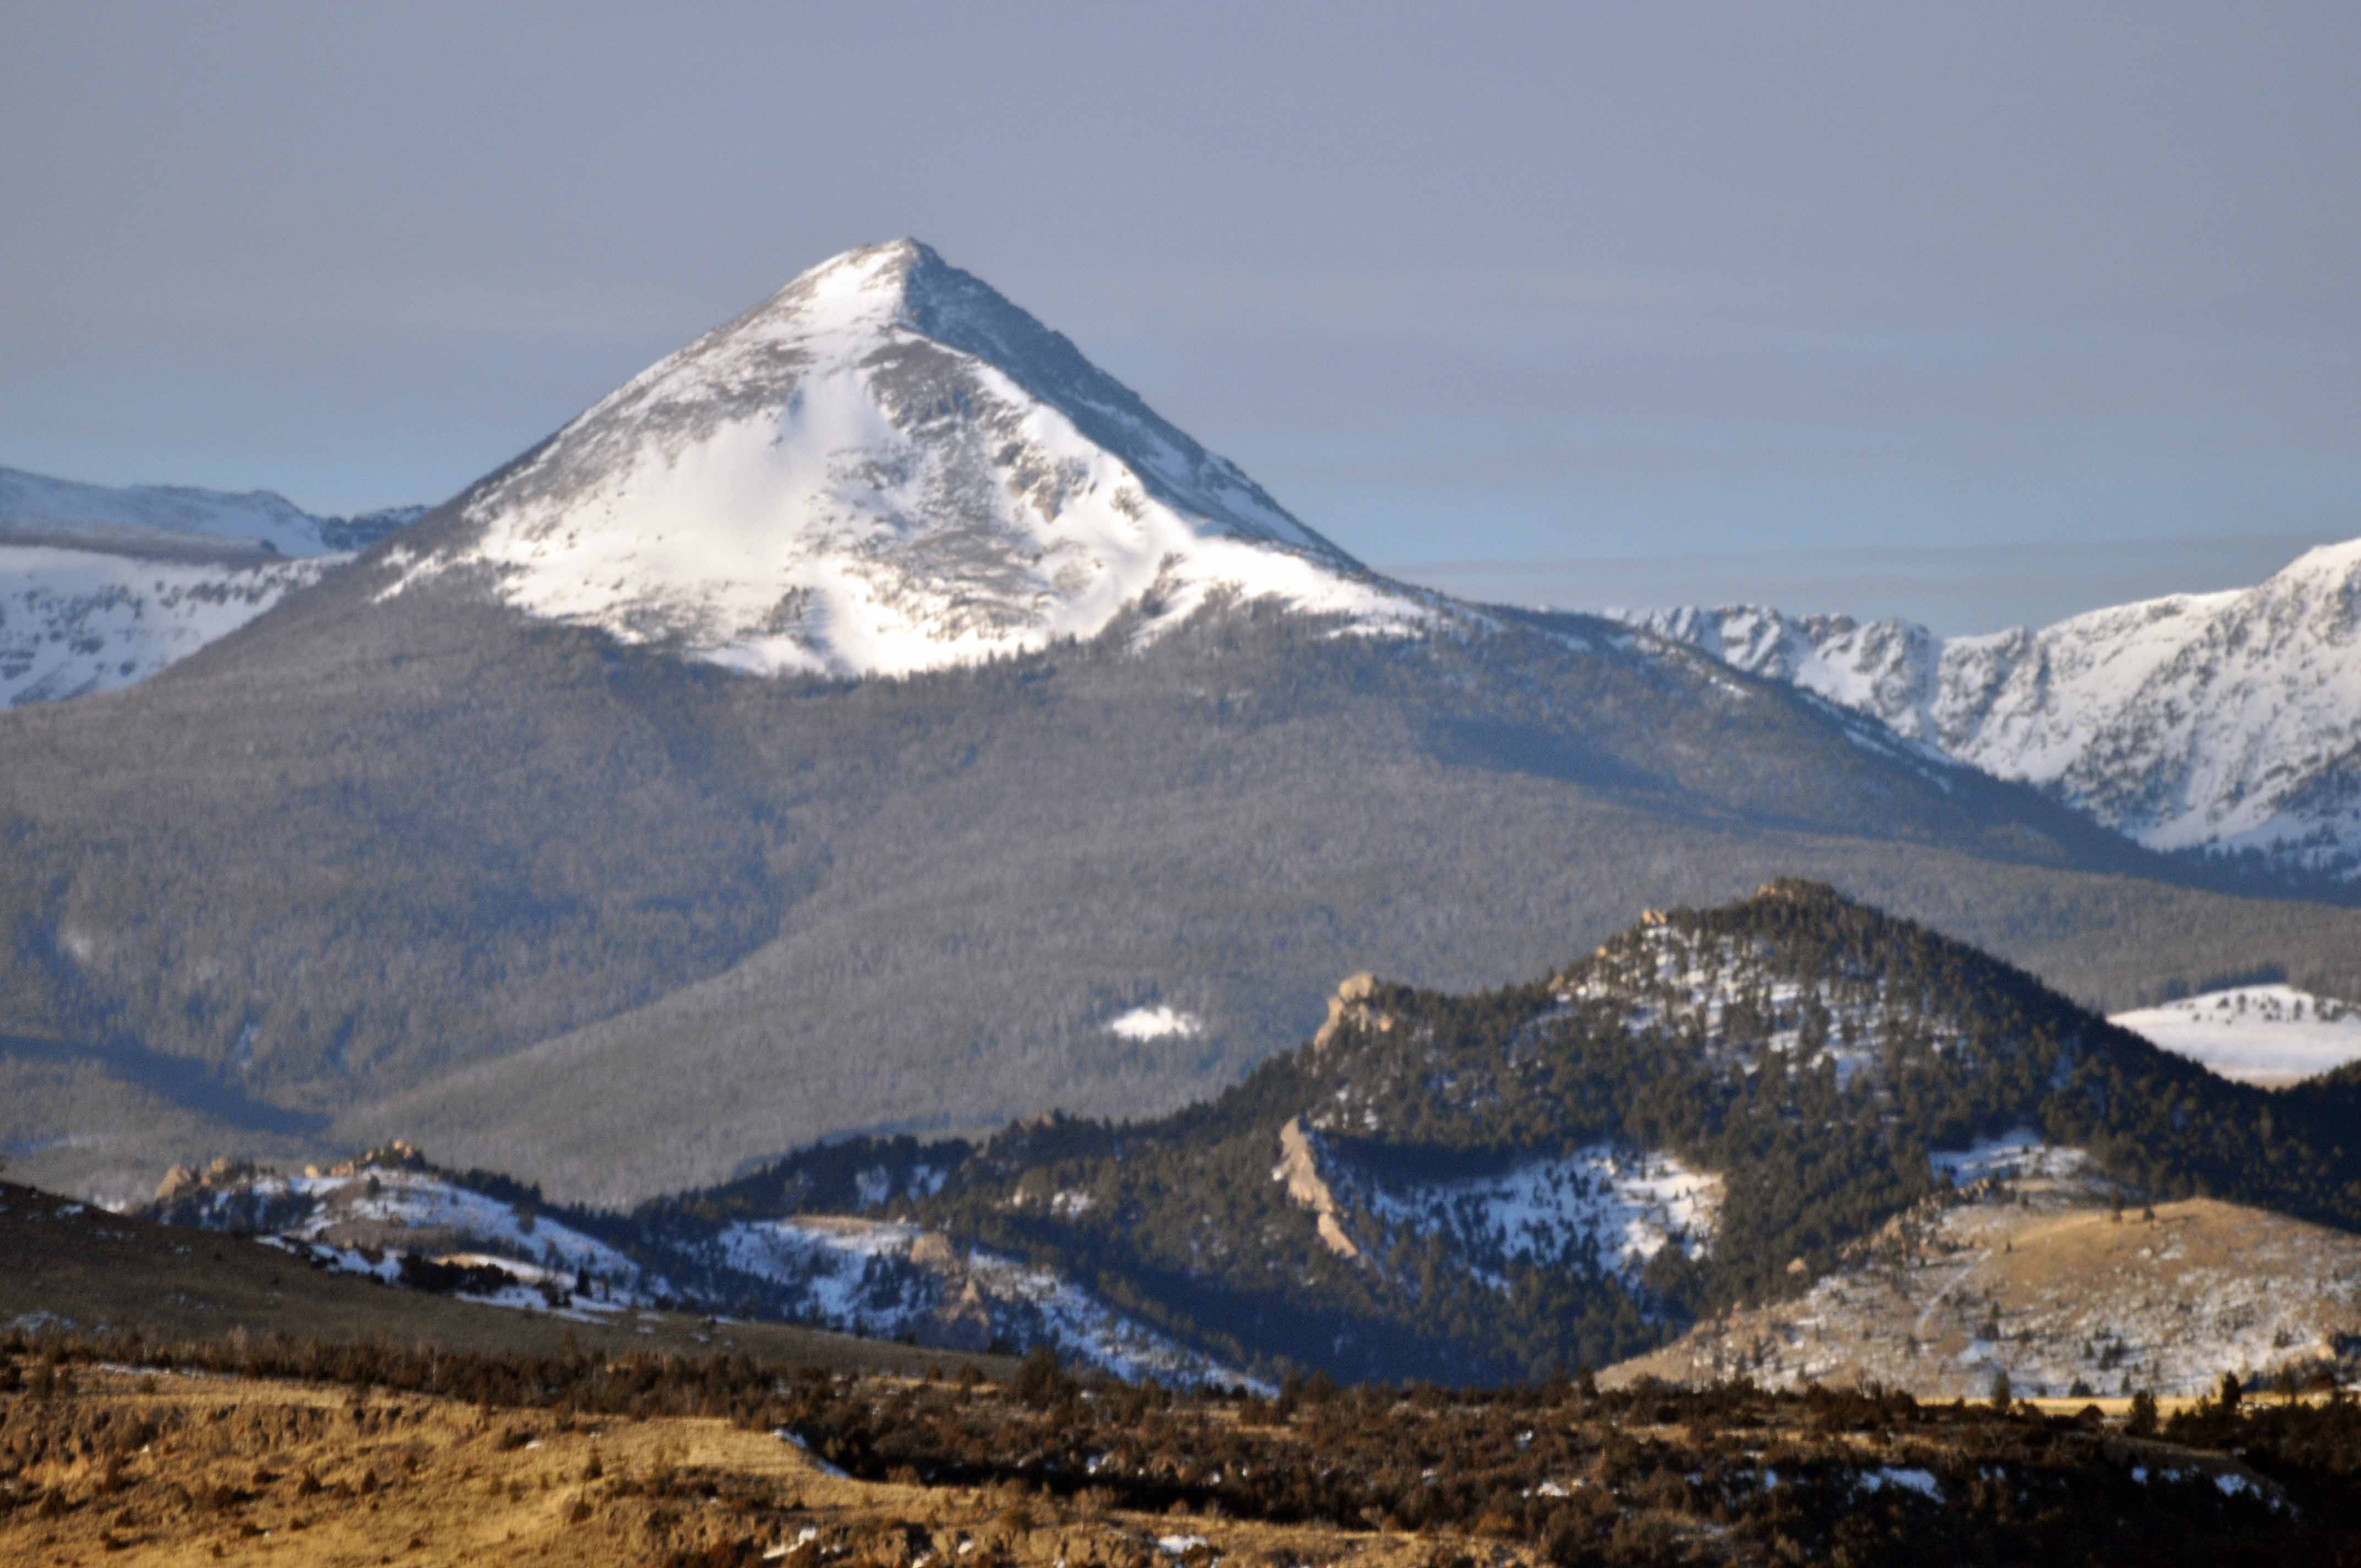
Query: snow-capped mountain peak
[[2228, 720], [885, 466]]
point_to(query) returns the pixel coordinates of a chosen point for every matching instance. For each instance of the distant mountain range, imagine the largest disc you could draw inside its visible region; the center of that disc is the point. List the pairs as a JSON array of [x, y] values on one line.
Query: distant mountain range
[[1075, 769], [101, 587], [2227, 723]]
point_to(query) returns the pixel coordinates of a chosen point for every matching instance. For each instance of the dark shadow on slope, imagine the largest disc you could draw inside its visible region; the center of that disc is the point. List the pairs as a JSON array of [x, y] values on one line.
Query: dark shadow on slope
[[184, 1082]]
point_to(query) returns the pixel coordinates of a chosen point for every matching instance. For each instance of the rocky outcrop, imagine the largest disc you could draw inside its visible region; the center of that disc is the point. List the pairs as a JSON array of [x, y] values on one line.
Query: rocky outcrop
[[1351, 1005], [1298, 1166]]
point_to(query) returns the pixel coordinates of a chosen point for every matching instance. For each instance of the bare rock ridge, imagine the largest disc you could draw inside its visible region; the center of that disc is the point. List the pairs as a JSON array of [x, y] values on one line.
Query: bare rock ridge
[[1299, 1168], [1350, 1006], [2225, 722]]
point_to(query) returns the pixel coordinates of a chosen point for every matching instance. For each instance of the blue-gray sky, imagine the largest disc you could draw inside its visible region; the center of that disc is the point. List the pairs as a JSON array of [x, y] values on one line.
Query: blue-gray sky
[[1546, 285]]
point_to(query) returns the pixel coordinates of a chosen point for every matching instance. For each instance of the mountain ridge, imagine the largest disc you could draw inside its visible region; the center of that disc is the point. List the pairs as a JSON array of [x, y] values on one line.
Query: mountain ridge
[[1715, 1120], [2225, 724], [554, 886], [103, 587]]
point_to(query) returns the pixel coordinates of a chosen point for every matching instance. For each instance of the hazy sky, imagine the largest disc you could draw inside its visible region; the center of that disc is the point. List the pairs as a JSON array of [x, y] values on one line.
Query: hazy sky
[[1516, 284]]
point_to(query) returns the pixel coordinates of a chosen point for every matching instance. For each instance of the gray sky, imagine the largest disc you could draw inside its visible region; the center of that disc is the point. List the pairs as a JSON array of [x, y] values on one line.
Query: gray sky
[[1696, 286]]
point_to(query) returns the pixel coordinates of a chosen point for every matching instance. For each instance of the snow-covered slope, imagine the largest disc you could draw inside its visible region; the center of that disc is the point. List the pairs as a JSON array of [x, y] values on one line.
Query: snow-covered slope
[[883, 468], [73, 621], [885, 1280], [1603, 1209], [384, 1214], [2219, 721], [103, 587], [2269, 1035]]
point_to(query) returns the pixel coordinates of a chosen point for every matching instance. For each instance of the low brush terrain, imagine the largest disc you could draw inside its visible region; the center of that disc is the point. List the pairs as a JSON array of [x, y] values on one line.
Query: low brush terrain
[[274, 1452]]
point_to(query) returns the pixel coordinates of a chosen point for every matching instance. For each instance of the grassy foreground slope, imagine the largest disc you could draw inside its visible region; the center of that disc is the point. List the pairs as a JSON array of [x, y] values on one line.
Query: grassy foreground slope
[[68, 1267], [115, 1452]]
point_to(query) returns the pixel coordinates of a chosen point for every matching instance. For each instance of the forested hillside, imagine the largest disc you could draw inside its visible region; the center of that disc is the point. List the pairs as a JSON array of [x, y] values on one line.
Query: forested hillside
[[526, 897], [1701, 1114]]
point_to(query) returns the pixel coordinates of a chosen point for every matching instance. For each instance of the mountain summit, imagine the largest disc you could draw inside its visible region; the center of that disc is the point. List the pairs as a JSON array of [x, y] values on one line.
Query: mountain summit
[[883, 467]]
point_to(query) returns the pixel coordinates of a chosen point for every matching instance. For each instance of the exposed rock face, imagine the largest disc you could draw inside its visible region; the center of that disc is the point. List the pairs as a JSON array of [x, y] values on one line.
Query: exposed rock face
[[1351, 1005], [1298, 1166]]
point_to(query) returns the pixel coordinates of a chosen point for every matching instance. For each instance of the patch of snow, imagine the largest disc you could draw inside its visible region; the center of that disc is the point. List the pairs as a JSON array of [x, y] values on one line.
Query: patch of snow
[[1157, 1023], [1905, 1478], [2268, 1034], [2020, 1153], [886, 1279], [1606, 1207], [789, 1435]]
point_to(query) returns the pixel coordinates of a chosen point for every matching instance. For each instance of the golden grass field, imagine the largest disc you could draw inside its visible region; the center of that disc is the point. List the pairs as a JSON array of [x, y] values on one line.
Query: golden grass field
[[142, 1467]]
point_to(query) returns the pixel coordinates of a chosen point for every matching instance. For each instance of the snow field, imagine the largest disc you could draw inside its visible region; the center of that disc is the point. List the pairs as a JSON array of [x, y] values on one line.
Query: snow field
[[2267, 1034]]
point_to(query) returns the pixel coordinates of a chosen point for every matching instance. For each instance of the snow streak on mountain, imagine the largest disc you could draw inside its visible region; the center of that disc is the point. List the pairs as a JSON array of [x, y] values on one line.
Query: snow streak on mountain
[[883, 468], [102, 586], [2223, 721]]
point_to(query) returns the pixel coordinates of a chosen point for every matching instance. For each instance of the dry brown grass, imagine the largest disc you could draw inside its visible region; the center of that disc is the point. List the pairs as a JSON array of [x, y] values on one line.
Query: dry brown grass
[[137, 1468]]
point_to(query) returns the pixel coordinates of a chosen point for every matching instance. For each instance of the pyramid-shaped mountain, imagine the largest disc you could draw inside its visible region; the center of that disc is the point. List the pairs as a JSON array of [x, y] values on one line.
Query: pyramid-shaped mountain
[[883, 467]]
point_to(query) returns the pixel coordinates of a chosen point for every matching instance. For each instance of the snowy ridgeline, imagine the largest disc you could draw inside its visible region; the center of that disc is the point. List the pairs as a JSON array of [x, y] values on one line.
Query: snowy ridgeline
[[887, 1280], [178, 521], [2222, 720], [2268, 1034], [102, 586], [369, 1222], [75, 621], [1674, 982], [873, 1278]]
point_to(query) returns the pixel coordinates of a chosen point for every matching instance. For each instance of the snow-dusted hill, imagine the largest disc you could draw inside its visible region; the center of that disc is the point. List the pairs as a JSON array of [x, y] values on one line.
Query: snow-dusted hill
[[103, 587], [885, 467], [2033, 1263], [2269, 1035], [2222, 721], [383, 1213]]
